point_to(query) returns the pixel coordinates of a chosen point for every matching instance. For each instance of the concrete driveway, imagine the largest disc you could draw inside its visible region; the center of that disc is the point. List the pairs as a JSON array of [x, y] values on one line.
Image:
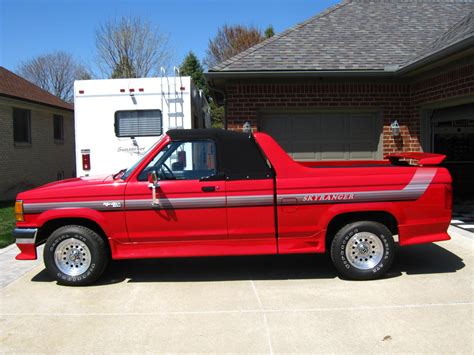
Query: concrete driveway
[[250, 304]]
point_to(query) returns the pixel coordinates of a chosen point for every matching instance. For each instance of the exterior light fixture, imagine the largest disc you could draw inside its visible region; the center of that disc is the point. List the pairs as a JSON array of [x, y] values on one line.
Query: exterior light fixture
[[247, 128], [395, 128]]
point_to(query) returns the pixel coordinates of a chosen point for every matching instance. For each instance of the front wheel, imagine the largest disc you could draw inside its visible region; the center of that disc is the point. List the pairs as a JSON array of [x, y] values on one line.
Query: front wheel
[[75, 255], [363, 250]]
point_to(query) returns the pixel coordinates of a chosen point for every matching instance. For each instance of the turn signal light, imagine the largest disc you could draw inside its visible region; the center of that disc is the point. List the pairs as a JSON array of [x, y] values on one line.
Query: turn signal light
[[19, 211]]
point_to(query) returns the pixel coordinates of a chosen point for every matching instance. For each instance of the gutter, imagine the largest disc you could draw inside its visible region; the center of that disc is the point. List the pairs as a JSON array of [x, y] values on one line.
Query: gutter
[[36, 102], [451, 49], [298, 73]]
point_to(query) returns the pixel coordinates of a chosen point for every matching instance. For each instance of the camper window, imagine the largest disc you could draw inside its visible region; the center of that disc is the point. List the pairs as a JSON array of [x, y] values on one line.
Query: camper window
[[138, 123]]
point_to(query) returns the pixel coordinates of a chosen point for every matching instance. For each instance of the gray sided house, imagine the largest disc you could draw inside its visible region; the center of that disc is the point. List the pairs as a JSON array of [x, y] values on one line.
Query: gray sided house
[[339, 85], [36, 136]]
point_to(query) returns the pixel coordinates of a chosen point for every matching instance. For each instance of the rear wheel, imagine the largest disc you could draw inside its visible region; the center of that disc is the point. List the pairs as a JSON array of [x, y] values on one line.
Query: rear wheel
[[363, 250], [75, 255]]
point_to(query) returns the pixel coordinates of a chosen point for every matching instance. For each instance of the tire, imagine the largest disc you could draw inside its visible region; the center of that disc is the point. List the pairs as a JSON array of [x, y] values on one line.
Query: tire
[[363, 250], [75, 255]]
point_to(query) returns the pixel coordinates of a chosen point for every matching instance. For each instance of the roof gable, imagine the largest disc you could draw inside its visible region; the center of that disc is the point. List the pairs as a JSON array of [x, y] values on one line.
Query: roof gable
[[15, 86], [354, 35]]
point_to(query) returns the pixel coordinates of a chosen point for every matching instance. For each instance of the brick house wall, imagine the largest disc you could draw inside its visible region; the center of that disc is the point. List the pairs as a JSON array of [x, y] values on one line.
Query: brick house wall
[[24, 166], [401, 101]]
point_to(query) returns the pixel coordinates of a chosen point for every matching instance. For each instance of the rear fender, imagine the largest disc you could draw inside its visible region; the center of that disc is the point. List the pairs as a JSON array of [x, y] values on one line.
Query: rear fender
[[340, 209]]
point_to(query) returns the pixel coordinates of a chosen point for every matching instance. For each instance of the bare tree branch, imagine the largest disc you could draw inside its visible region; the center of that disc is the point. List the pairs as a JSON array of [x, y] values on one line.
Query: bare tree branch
[[230, 41], [131, 47], [54, 72]]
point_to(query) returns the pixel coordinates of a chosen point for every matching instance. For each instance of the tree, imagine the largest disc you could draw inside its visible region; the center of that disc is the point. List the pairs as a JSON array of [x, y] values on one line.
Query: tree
[[230, 41], [54, 72], [131, 48], [217, 114], [193, 68], [269, 32]]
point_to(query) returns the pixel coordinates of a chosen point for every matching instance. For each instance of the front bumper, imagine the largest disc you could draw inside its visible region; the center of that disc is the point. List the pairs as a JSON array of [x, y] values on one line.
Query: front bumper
[[26, 241]]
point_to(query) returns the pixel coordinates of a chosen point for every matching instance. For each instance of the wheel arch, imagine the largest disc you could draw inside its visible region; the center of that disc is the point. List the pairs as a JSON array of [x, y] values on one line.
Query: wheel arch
[[52, 224], [340, 220]]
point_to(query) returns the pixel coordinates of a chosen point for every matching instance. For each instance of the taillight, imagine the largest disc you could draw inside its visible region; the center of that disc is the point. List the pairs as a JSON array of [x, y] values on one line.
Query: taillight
[[448, 198], [19, 217], [86, 159]]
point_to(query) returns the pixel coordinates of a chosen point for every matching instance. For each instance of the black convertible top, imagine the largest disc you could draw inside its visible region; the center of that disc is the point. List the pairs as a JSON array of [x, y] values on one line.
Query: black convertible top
[[238, 155]]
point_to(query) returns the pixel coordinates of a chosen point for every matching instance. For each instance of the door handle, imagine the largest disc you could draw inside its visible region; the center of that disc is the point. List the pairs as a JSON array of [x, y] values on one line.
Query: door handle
[[209, 188]]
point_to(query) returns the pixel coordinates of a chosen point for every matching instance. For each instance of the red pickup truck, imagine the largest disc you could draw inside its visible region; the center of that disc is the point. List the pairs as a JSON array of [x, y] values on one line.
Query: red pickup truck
[[214, 192]]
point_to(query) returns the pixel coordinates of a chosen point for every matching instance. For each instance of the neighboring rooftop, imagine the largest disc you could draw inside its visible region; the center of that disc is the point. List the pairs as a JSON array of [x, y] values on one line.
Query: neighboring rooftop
[[14, 86], [360, 35]]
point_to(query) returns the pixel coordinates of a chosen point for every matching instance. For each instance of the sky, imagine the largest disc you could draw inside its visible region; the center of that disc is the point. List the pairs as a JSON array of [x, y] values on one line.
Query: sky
[[29, 28]]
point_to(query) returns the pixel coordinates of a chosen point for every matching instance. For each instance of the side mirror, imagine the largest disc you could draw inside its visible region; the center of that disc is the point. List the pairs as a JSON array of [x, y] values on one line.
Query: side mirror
[[153, 183], [153, 180]]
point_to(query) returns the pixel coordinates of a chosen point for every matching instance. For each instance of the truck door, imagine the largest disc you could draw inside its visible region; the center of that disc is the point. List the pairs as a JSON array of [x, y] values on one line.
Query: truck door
[[250, 196], [250, 211], [191, 201]]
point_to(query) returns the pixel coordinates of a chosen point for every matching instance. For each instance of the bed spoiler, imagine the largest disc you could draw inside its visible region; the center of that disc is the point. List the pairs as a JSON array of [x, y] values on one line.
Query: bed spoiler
[[423, 158]]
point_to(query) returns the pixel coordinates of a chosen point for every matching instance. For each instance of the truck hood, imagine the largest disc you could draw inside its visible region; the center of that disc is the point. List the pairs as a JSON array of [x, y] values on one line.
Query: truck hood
[[81, 187]]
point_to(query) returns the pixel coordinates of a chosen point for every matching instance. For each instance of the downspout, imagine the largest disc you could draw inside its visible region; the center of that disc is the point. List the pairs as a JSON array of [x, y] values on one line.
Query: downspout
[[224, 95]]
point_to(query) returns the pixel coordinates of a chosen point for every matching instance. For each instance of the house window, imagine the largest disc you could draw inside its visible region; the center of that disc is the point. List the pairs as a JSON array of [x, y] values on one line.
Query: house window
[[21, 125], [58, 122]]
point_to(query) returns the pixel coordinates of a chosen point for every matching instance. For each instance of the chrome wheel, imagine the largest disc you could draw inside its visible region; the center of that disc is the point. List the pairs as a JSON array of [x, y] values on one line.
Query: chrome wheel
[[72, 257], [364, 250]]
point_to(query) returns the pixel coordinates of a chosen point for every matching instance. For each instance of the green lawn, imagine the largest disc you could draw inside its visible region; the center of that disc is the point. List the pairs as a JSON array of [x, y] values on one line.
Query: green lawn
[[7, 223]]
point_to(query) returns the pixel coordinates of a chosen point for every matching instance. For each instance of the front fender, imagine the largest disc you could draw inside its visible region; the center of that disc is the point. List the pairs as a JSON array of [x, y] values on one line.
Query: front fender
[[84, 213]]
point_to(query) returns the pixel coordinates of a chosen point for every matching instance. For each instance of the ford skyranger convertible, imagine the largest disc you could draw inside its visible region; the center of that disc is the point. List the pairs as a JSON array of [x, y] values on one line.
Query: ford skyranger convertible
[[211, 192]]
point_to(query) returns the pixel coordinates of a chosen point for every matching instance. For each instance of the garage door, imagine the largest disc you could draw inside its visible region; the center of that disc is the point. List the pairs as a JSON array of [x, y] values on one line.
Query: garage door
[[326, 136], [453, 135]]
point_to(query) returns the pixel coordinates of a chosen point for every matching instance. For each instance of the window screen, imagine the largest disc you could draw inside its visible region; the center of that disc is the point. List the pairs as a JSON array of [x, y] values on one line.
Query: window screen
[[138, 123]]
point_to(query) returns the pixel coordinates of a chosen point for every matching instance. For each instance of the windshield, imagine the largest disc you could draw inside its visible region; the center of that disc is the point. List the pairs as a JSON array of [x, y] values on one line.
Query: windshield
[[130, 170]]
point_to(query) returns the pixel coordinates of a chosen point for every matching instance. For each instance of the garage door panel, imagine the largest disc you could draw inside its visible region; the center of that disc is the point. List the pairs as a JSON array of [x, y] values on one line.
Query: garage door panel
[[304, 150], [333, 151], [306, 127], [362, 128], [326, 136], [333, 127], [361, 151]]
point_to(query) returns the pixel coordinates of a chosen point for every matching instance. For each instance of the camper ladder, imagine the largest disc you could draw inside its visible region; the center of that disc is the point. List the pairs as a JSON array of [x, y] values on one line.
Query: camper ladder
[[173, 98]]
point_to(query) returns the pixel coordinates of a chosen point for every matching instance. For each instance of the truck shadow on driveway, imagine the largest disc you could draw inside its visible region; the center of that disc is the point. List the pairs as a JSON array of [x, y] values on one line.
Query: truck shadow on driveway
[[411, 260]]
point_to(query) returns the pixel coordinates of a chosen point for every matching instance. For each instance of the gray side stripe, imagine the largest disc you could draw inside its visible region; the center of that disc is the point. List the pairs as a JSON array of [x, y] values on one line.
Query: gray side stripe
[[415, 188], [109, 205], [257, 200], [176, 203]]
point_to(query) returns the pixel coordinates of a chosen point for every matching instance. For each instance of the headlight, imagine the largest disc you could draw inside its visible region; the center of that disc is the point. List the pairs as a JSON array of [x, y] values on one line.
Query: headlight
[[19, 211]]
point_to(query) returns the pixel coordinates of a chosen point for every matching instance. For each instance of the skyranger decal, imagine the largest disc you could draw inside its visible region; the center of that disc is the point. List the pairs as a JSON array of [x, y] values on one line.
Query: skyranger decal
[[328, 197], [412, 191]]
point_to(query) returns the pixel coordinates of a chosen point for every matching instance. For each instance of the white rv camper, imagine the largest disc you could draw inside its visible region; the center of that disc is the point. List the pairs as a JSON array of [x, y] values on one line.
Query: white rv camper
[[118, 120]]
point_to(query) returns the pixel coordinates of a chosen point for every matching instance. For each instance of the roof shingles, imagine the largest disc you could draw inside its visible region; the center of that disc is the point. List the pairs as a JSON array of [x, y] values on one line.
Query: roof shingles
[[15, 86], [354, 35]]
